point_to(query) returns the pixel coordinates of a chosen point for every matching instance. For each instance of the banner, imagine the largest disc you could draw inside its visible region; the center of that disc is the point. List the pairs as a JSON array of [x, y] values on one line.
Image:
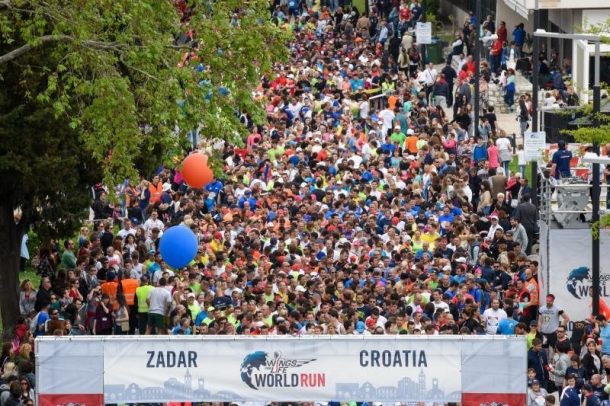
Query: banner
[[277, 370], [570, 270], [243, 369]]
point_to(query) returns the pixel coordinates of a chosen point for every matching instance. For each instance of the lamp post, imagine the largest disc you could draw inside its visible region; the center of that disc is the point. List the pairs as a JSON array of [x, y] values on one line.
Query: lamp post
[[535, 82], [595, 187], [477, 69]]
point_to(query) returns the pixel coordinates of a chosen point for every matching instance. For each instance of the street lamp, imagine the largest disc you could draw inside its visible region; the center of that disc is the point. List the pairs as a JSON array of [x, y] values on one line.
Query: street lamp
[[595, 160], [477, 69]]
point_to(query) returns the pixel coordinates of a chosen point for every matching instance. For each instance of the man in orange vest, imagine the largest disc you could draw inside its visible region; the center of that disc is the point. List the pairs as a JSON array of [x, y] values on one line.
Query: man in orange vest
[[156, 190], [110, 288], [129, 286]]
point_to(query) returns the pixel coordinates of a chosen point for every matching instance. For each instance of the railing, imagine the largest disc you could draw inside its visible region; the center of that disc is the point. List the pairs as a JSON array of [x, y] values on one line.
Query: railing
[[519, 6]]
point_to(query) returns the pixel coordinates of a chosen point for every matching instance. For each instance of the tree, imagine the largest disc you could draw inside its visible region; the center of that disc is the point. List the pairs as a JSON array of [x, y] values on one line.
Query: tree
[[104, 90]]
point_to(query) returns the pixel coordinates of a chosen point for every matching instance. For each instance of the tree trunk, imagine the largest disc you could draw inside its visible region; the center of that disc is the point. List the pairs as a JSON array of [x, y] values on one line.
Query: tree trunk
[[10, 252]]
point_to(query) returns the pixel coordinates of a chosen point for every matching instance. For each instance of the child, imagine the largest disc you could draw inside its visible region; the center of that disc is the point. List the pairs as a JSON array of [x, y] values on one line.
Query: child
[[576, 369], [531, 376], [521, 159]]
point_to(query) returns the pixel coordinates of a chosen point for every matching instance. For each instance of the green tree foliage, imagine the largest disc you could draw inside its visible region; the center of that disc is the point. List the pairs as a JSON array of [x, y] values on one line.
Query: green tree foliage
[[98, 90]]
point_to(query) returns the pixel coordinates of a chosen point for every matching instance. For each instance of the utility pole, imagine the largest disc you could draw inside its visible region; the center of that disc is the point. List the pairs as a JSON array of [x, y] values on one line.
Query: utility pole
[[477, 69], [535, 79], [595, 189]]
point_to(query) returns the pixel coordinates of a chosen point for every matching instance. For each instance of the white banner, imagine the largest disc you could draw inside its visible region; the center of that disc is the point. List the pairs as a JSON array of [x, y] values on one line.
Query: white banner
[[534, 145], [276, 370], [423, 33], [339, 368], [570, 262]]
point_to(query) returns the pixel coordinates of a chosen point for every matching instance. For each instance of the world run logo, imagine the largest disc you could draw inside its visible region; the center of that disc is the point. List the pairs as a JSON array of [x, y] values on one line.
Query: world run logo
[[259, 369]]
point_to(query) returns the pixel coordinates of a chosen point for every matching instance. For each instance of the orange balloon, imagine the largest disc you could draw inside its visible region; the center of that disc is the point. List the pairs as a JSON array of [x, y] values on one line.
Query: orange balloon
[[196, 171]]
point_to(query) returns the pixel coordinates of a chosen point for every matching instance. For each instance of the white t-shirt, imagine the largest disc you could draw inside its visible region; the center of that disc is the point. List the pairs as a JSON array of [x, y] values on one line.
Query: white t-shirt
[[150, 224], [388, 117], [364, 110], [124, 233], [521, 157], [492, 318], [441, 305], [159, 298], [503, 144]]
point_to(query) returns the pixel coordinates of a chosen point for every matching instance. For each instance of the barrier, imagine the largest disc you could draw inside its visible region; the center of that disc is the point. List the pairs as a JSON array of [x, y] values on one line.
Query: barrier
[[138, 369], [570, 270]]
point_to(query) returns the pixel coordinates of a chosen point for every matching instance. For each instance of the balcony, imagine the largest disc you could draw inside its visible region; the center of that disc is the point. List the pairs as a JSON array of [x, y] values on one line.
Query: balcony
[[522, 6]]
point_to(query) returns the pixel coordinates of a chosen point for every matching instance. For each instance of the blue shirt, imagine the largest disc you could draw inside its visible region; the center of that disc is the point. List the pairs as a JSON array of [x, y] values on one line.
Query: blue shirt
[[604, 334], [479, 153], [519, 36], [562, 159], [506, 326]]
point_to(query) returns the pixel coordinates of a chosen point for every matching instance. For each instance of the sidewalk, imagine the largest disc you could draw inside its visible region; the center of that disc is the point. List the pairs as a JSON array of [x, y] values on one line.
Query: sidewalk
[[506, 121]]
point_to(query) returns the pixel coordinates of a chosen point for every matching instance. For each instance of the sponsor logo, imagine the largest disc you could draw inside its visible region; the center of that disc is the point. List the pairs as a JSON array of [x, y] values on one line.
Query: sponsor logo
[[259, 369], [576, 282]]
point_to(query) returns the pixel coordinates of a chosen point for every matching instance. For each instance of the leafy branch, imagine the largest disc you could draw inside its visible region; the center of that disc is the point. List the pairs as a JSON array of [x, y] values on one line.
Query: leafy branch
[[603, 222], [25, 48]]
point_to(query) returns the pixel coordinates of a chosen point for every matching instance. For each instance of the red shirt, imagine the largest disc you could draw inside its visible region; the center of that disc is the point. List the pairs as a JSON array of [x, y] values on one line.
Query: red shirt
[[470, 66]]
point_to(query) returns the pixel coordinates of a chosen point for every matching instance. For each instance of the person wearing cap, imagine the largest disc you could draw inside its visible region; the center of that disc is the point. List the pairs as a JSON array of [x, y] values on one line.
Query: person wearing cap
[[495, 226], [533, 334], [536, 394], [561, 161]]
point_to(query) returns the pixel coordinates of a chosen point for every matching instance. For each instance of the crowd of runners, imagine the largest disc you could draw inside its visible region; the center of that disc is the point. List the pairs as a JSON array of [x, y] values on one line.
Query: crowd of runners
[[366, 204]]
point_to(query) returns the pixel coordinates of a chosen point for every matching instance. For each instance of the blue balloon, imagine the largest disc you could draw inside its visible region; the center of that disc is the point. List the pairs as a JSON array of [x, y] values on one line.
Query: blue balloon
[[178, 246]]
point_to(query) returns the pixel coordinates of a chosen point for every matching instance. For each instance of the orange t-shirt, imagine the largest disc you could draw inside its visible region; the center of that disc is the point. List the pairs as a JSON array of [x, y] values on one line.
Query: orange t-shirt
[[531, 286], [411, 142], [392, 102], [110, 288]]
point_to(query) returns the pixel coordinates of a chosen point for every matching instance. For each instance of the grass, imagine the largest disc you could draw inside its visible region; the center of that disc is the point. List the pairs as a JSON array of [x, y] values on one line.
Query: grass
[[514, 167], [30, 274]]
